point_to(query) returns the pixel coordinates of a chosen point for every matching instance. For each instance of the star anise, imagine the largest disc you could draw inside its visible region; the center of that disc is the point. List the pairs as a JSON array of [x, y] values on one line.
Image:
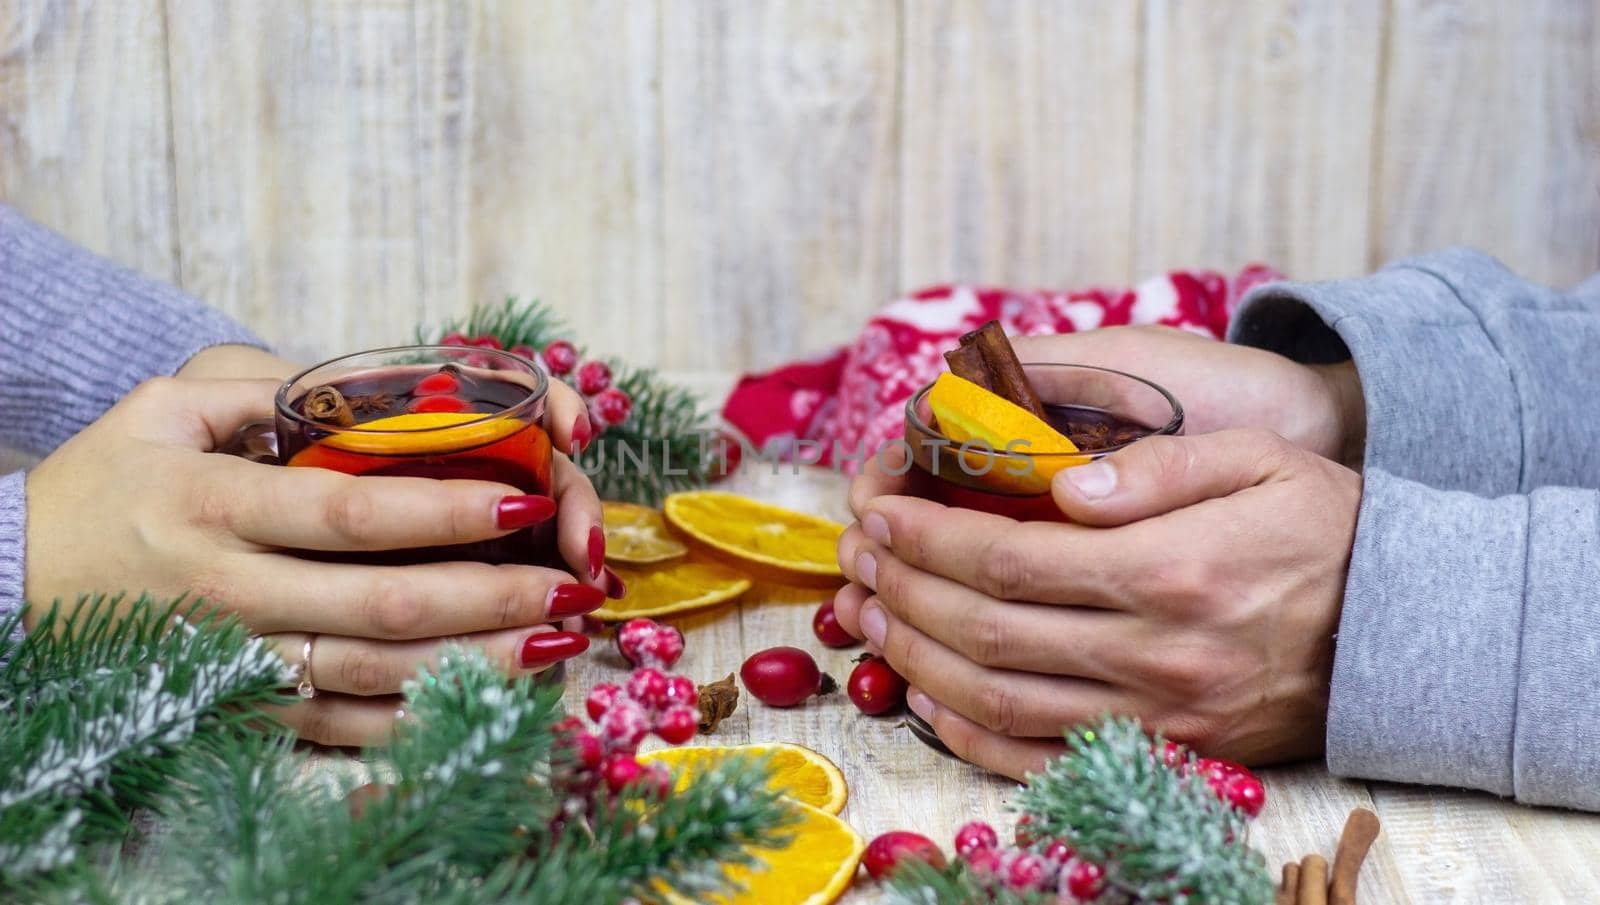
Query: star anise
[[372, 403]]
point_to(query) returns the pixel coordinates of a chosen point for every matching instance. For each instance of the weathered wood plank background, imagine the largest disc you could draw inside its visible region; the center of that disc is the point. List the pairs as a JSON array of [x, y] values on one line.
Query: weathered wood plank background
[[713, 185]]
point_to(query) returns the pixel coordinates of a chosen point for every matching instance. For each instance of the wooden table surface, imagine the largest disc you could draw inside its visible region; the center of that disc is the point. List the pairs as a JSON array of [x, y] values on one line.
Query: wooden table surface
[[1436, 847]]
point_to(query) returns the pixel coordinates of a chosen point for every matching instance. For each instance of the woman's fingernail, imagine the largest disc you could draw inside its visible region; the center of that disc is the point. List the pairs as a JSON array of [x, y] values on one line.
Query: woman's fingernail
[[573, 599], [582, 433], [867, 570], [873, 624], [597, 551], [876, 527], [615, 589], [920, 703], [1094, 481], [545, 648], [515, 512]]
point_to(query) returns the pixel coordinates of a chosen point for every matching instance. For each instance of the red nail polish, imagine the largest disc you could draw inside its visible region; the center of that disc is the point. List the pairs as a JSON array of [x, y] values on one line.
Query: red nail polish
[[597, 551], [545, 648], [582, 433], [515, 512], [615, 589], [573, 600]]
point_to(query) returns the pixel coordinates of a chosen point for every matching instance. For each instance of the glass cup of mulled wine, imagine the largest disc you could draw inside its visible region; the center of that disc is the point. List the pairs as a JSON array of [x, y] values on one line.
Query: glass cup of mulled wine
[[439, 412], [1098, 409]]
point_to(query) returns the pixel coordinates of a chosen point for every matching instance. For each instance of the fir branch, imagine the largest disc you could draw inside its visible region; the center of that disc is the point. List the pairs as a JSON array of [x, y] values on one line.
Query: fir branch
[[1161, 833], [919, 883], [97, 710]]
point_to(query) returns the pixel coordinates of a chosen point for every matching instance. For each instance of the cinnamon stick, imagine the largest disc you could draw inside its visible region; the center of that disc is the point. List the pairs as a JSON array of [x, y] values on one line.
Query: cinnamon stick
[[1289, 890], [1313, 881], [994, 366], [327, 404], [1360, 831]]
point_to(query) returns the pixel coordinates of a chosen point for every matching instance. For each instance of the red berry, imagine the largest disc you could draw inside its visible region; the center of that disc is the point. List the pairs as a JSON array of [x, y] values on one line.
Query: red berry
[[484, 342], [682, 691], [976, 836], [1172, 754], [632, 636], [454, 338], [678, 724], [1246, 793], [613, 406], [524, 351], [440, 383], [593, 376], [664, 647], [661, 777], [559, 357], [567, 725], [648, 686], [983, 861], [781, 676], [1085, 881], [439, 404], [600, 700], [1023, 834], [625, 725], [589, 749], [1026, 872], [875, 687], [619, 770], [889, 850], [1058, 852], [825, 625]]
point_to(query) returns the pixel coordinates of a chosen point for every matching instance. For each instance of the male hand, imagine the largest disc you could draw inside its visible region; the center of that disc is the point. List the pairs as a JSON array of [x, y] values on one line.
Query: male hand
[[1198, 587]]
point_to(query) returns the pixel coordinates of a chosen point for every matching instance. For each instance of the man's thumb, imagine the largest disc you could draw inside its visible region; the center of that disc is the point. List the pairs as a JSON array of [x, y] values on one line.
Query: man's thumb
[[1160, 474]]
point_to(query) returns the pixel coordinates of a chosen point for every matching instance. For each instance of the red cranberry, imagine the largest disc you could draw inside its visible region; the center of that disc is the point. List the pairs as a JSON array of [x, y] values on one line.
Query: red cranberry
[[664, 647], [1058, 852], [1233, 783], [976, 836], [983, 861], [588, 747], [649, 687], [619, 770], [875, 687], [631, 639], [782, 676], [1173, 755], [1023, 834], [624, 725], [889, 850], [600, 700], [825, 625], [441, 383], [613, 406], [678, 724], [523, 351], [439, 404], [1085, 881], [454, 338], [560, 357], [682, 691], [593, 376], [485, 342], [1025, 872]]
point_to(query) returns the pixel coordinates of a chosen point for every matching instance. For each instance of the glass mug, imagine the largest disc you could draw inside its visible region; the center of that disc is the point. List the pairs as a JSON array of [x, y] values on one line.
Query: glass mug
[[443, 412], [1101, 410]]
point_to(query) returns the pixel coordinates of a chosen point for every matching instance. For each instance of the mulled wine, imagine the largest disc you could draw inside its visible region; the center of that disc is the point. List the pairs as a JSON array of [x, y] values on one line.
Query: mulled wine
[[427, 412], [1099, 410]]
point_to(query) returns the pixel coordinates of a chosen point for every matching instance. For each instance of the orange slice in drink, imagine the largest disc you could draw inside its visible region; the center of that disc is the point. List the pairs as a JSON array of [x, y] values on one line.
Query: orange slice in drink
[[969, 413], [767, 541], [795, 770], [637, 535], [671, 588], [423, 433]]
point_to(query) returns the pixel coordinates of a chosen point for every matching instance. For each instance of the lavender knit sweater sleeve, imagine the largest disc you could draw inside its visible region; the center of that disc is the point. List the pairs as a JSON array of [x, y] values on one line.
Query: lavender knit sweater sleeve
[[77, 332]]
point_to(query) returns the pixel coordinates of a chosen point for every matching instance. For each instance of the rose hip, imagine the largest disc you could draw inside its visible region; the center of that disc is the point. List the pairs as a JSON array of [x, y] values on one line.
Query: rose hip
[[893, 848], [783, 676], [423, 404], [441, 383], [875, 688], [825, 625]]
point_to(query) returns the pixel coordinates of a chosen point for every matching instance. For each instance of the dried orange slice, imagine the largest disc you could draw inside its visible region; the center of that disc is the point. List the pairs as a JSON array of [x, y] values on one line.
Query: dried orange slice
[[423, 433], [796, 771], [638, 535], [675, 587], [815, 868], [768, 541]]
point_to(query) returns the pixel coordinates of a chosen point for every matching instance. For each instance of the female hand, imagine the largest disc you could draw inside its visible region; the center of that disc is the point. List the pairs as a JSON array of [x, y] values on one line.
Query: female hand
[[1199, 588], [139, 501]]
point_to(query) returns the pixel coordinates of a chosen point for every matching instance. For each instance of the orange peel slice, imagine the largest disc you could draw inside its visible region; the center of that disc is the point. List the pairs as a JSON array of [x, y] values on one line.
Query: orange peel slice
[[765, 541]]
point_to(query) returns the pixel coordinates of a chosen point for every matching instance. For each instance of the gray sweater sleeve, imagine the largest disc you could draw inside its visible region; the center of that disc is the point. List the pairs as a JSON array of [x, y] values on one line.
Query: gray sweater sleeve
[[1466, 652], [77, 332]]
